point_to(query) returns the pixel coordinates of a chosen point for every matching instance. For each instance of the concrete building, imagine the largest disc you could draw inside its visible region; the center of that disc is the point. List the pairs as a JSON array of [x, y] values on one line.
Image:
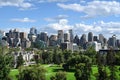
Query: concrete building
[[53, 40], [83, 41], [95, 38], [75, 47], [33, 31], [71, 35], [60, 36], [76, 40], [67, 46], [23, 35], [96, 46], [90, 37], [112, 42], [66, 37]]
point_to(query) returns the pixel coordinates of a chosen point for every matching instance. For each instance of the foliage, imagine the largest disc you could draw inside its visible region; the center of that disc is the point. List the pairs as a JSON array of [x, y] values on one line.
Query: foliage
[[102, 73], [5, 62], [83, 71], [59, 76], [20, 61], [31, 73]]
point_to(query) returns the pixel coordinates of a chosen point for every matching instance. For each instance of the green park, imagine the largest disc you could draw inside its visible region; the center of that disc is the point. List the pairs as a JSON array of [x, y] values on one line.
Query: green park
[[55, 64]]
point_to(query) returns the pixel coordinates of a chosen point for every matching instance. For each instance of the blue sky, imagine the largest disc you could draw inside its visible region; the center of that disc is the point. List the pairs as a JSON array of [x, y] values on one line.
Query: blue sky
[[83, 16]]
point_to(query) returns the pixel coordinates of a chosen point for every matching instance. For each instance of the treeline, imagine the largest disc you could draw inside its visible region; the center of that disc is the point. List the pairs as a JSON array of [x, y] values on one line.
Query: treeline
[[81, 61]]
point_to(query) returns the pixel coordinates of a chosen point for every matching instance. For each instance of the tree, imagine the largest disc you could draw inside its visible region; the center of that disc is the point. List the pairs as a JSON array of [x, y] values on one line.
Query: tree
[[102, 73], [5, 62], [47, 57], [19, 60], [58, 56], [67, 54], [83, 72], [59, 76], [92, 54], [31, 73]]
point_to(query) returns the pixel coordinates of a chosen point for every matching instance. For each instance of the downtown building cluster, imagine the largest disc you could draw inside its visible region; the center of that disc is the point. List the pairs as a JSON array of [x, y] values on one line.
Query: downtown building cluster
[[64, 40]]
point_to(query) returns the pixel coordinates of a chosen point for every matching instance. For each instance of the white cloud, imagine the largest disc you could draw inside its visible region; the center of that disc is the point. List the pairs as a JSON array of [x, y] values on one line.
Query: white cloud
[[17, 3], [87, 28], [57, 18], [105, 28], [94, 8], [23, 20], [43, 1], [61, 25]]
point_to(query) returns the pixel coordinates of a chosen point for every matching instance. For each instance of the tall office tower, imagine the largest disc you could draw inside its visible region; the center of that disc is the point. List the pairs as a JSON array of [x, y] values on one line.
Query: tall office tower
[[76, 40], [60, 36], [32, 34], [33, 31], [83, 41], [25, 43], [23, 35], [105, 41], [10, 34], [112, 42], [90, 37], [43, 36], [71, 35], [118, 43], [101, 39], [53, 40], [13, 38], [66, 37], [16, 33], [95, 38]]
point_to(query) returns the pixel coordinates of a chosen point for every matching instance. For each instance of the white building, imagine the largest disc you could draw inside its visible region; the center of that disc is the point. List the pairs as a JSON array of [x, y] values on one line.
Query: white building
[[95, 45]]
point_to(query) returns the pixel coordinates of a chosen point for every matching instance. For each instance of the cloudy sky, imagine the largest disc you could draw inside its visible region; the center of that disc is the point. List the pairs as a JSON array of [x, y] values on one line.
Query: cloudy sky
[[82, 16]]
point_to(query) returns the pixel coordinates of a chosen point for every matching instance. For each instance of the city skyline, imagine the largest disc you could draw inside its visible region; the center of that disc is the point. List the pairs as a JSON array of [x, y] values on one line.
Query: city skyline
[[83, 16]]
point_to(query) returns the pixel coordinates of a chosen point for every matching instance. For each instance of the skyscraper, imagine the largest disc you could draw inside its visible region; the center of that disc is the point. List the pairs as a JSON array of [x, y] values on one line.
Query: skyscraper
[[33, 31], [43, 36], [76, 40], [90, 37], [71, 35], [60, 36], [32, 34], [83, 41], [112, 42], [101, 39], [53, 40], [66, 37], [95, 38]]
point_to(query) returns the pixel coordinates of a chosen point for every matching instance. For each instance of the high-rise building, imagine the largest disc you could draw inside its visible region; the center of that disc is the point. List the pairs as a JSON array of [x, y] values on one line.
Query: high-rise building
[[43, 36], [101, 39], [95, 38], [112, 41], [83, 41], [66, 37], [53, 40], [33, 31], [118, 43], [32, 34], [76, 40], [71, 35], [90, 37], [23, 35], [13, 38], [60, 36]]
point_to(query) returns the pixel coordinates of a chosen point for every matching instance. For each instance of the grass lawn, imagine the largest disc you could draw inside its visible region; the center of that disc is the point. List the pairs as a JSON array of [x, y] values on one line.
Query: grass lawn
[[13, 74], [52, 69]]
